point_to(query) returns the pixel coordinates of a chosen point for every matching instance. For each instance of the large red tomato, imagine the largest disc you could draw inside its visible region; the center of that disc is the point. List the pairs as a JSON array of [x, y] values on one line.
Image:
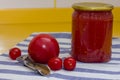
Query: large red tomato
[[43, 47]]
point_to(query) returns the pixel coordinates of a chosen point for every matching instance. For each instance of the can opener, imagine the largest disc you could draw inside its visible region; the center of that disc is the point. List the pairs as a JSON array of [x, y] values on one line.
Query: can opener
[[42, 69]]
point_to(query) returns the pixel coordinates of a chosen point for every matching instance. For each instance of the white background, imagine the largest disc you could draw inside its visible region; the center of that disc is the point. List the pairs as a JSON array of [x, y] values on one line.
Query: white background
[[26, 3], [47, 3]]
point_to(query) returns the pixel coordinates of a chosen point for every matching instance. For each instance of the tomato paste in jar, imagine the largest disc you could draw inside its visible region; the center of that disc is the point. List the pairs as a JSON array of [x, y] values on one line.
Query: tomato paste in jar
[[92, 32]]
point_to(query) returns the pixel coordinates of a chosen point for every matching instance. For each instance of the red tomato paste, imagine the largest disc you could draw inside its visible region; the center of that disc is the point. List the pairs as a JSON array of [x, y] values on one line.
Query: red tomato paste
[[92, 32]]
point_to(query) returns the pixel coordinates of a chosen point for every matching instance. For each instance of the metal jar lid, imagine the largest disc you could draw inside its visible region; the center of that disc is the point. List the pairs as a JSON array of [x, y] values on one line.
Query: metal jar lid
[[92, 6]]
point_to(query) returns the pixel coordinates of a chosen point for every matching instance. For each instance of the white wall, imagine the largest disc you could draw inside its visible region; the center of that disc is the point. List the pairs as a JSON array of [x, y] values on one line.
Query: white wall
[[26, 3], [47, 3]]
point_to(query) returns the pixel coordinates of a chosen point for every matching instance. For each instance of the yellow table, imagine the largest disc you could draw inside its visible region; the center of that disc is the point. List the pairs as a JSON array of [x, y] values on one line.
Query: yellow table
[[17, 24]]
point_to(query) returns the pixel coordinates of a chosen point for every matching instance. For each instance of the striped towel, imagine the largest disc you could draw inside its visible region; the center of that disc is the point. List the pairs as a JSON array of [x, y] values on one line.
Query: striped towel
[[12, 70]]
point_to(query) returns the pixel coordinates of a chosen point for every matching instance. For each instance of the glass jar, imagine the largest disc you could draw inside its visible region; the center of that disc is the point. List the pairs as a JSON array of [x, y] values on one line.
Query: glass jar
[[92, 32]]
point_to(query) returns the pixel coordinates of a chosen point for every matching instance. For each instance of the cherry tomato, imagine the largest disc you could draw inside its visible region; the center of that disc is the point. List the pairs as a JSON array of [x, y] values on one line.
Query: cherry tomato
[[14, 53], [55, 63], [43, 47], [69, 63]]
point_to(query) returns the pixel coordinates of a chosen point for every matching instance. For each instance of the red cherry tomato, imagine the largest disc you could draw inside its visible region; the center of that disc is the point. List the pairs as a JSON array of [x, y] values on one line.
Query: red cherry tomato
[[55, 63], [69, 63], [43, 47], [14, 53]]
